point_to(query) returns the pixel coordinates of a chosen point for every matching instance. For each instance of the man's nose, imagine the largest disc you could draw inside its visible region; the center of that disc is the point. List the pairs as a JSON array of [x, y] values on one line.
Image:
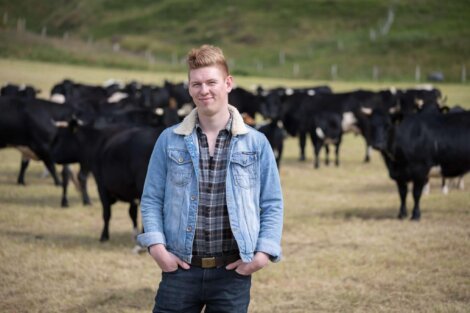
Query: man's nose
[[204, 88]]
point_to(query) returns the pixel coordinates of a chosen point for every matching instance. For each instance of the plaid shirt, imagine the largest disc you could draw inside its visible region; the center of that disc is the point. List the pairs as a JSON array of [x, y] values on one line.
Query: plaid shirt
[[213, 235]]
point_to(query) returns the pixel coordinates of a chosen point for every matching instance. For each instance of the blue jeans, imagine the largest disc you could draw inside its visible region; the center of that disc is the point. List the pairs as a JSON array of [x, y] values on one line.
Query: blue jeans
[[218, 289]]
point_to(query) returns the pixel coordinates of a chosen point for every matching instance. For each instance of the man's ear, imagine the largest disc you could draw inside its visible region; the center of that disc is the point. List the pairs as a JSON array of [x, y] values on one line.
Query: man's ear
[[229, 83]]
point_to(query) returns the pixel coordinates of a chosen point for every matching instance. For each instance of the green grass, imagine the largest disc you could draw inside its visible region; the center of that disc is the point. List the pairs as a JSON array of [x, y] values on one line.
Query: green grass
[[313, 34], [344, 250]]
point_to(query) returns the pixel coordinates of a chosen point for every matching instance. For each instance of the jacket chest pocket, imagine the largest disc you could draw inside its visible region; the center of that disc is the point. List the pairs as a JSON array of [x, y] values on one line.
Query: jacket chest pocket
[[181, 168], [244, 168]]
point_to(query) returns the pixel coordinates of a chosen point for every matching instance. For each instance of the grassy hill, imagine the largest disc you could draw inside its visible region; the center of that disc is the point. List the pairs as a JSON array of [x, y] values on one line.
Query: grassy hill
[[350, 40]]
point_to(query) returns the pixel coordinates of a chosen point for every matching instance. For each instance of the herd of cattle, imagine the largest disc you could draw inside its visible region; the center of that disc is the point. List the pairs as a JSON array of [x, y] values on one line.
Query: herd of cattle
[[110, 131]]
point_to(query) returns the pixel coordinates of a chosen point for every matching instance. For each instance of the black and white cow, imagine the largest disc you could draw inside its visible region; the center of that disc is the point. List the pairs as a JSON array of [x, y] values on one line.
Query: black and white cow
[[412, 146]]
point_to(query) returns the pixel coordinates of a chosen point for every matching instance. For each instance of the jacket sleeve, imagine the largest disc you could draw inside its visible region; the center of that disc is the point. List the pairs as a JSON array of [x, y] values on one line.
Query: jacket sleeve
[[153, 195], [271, 204]]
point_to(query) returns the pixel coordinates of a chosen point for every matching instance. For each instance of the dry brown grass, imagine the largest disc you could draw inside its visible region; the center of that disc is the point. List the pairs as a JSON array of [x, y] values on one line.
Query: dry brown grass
[[344, 250]]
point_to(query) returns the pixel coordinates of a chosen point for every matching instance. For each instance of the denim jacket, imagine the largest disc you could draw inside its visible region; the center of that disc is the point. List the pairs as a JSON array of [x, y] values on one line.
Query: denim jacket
[[254, 197]]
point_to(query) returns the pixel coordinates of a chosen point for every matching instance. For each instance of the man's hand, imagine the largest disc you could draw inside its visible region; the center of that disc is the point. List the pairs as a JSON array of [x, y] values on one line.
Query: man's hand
[[167, 261], [259, 261]]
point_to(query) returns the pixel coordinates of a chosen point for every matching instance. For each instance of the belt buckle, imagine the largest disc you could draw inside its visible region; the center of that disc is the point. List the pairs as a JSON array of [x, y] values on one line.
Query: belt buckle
[[208, 262]]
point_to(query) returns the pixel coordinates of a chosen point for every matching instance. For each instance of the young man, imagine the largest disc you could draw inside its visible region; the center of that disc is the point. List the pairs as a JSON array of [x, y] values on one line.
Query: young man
[[212, 203]]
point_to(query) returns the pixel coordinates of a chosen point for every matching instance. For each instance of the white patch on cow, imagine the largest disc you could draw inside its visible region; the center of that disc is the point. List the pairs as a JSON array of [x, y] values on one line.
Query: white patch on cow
[[117, 96], [445, 188], [393, 90], [265, 93], [419, 103], [368, 151], [113, 81], [159, 111], [348, 122], [185, 109], [393, 110], [280, 124], [58, 98], [289, 91], [320, 133], [427, 188], [60, 124], [366, 111], [461, 183], [311, 92]]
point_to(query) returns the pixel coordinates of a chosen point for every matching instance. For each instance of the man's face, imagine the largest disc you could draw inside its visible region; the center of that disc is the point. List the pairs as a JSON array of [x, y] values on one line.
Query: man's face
[[209, 87]]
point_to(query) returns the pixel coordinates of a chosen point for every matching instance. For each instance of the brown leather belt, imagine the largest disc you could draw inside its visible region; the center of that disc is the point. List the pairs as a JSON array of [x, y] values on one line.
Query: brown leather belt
[[212, 262]]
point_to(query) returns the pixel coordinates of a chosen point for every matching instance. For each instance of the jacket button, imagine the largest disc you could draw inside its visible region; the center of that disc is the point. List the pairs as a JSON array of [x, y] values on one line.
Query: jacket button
[[180, 160], [189, 228], [193, 198]]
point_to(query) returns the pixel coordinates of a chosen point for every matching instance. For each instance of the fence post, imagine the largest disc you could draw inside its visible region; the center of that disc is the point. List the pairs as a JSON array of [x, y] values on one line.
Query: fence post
[[21, 25], [5, 18], [90, 40], [231, 63], [282, 57], [464, 73], [259, 65], [334, 72], [418, 73], [66, 36], [296, 69], [375, 73], [44, 32]]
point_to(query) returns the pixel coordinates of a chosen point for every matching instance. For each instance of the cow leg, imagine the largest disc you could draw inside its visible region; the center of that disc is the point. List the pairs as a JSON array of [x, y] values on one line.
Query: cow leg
[[65, 182], [279, 155], [327, 154], [44, 155], [417, 191], [402, 190], [445, 186], [317, 145], [106, 203], [23, 167], [337, 153], [82, 180], [133, 214], [368, 149], [302, 142]]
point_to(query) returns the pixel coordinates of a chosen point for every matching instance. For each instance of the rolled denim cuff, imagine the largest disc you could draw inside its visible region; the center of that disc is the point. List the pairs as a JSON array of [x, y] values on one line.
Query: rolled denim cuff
[[269, 247], [152, 238]]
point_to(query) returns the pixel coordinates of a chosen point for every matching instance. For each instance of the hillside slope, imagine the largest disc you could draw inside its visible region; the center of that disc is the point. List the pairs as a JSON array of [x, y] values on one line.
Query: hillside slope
[[366, 39]]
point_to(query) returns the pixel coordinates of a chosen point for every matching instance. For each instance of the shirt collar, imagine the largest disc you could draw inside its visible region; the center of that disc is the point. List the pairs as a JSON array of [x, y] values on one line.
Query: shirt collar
[[228, 126]]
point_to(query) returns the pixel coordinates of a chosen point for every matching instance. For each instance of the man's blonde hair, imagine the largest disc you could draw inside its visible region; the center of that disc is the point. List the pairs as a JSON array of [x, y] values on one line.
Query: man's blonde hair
[[207, 55]]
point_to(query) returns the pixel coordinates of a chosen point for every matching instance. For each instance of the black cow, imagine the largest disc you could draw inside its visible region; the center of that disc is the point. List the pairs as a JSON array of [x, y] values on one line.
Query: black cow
[[410, 149], [322, 119], [275, 134], [23, 91], [118, 159], [245, 101], [30, 123]]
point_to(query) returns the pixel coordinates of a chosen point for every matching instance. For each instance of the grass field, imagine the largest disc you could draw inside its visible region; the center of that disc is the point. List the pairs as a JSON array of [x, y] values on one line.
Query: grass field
[[344, 250]]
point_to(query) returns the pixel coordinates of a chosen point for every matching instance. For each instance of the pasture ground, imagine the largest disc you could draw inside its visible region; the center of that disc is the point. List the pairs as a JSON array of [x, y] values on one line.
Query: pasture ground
[[344, 250]]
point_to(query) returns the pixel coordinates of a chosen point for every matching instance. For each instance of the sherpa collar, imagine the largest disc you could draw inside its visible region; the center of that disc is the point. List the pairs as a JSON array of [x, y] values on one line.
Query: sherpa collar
[[187, 125]]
